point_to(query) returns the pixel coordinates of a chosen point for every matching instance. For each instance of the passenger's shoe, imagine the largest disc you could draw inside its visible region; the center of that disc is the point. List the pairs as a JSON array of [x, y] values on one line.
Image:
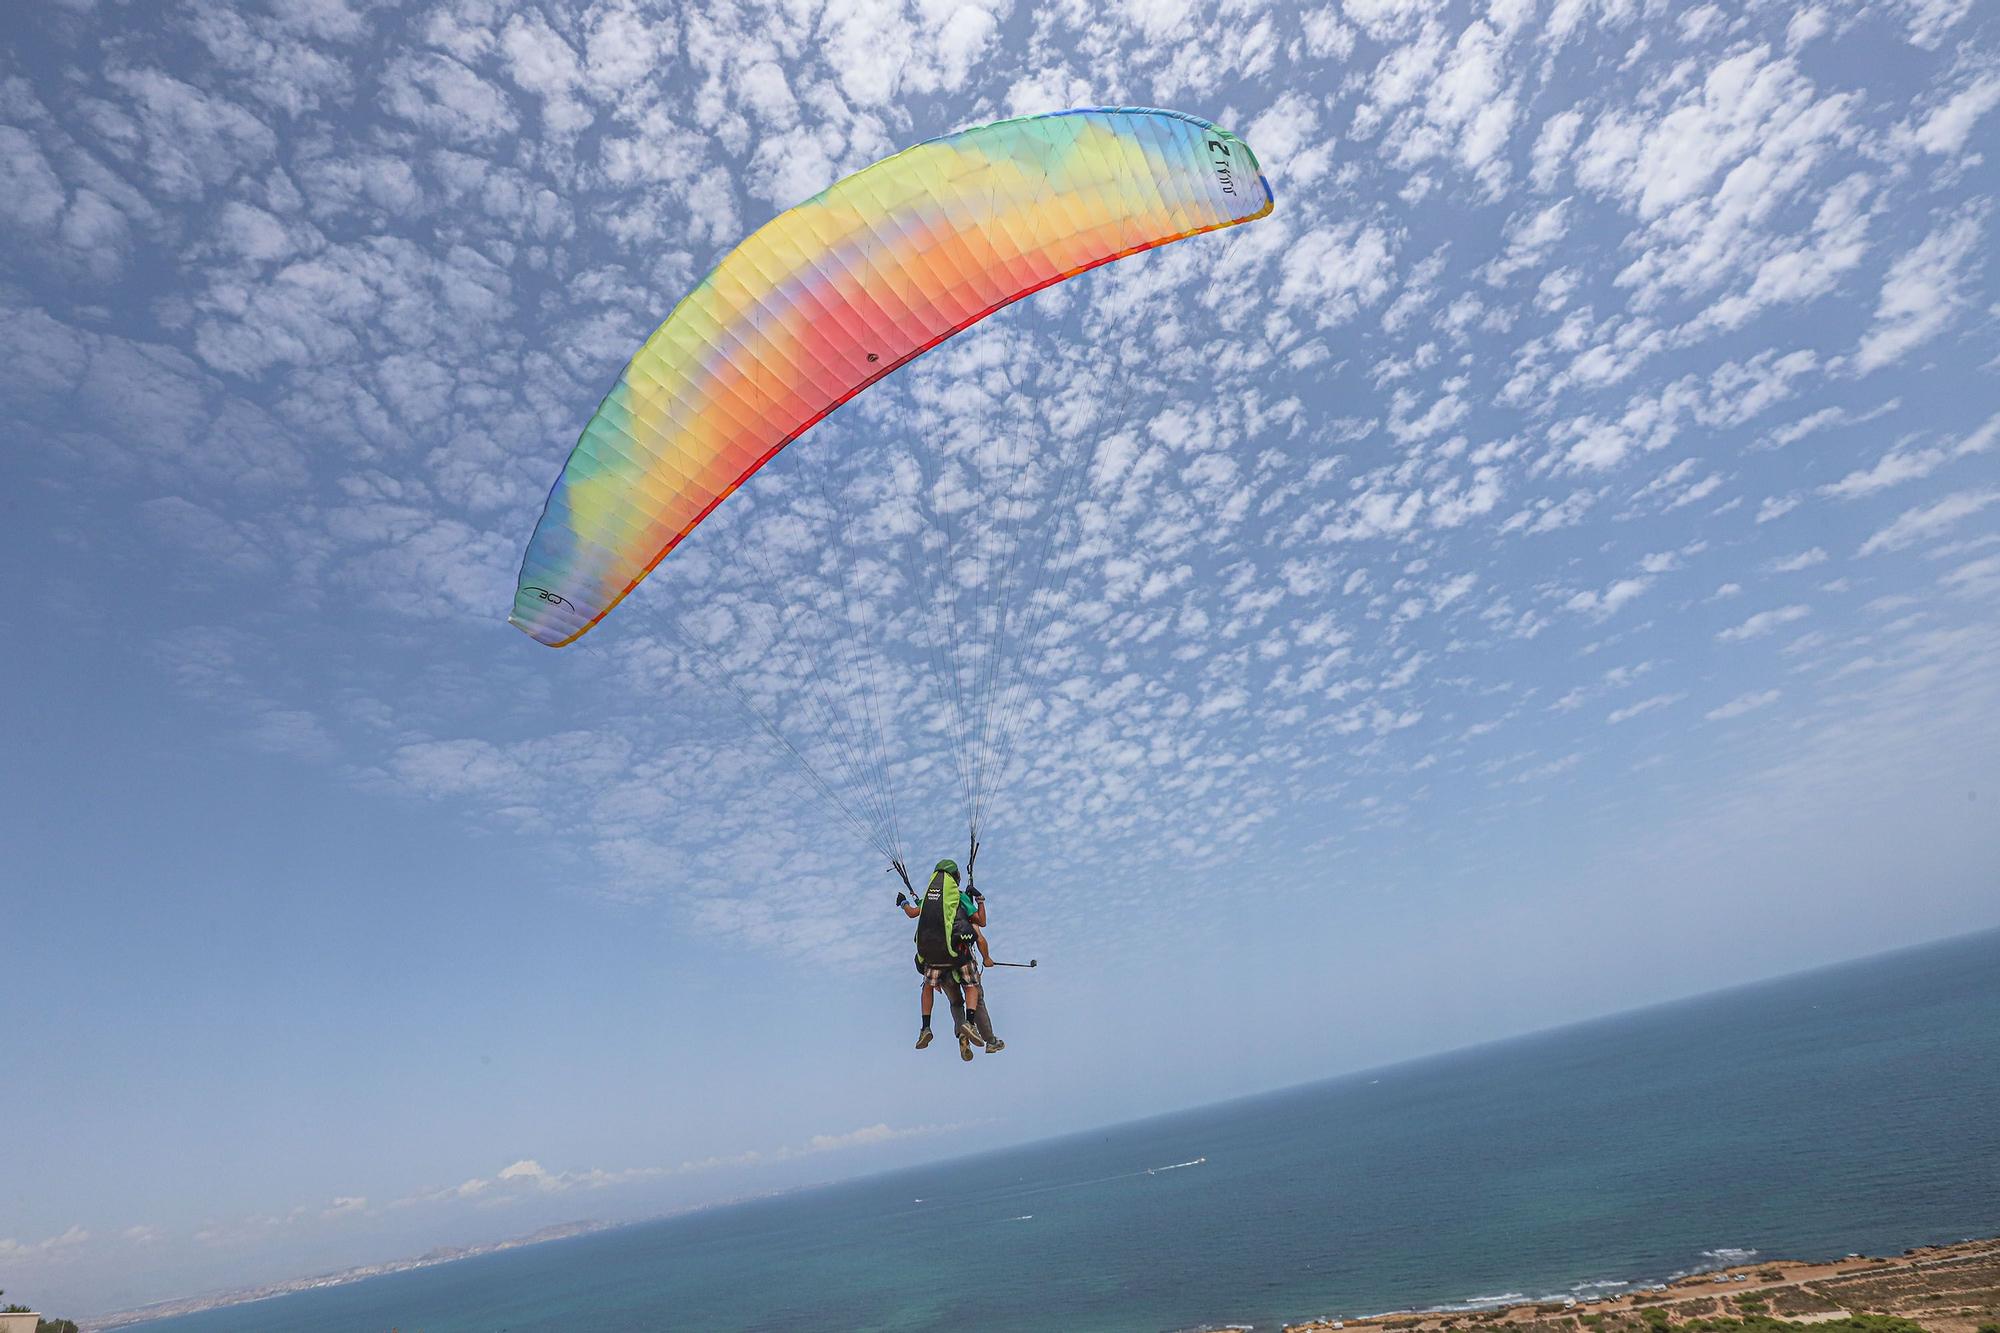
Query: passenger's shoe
[[965, 1043], [923, 1038], [995, 1046]]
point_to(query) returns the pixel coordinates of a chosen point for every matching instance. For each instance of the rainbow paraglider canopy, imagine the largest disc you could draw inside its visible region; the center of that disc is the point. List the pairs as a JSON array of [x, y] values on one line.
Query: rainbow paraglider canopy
[[829, 297]]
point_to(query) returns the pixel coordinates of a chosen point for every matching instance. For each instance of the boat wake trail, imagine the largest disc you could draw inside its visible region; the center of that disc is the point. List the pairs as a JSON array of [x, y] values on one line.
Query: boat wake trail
[[1155, 1170], [1023, 1192]]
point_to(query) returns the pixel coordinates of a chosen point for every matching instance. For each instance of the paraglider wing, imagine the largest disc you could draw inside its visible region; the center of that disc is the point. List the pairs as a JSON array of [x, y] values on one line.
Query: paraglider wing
[[827, 298]]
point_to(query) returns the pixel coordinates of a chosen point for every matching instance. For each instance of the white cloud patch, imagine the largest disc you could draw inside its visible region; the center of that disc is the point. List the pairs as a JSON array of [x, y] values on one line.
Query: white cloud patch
[[1615, 595], [531, 1176], [1707, 178], [441, 96], [1924, 291], [58, 1246], [1757, 626], [1901, 465], [1949, 127], [1931, 520], [1334, 271], [1743, 703], [1792, 564], [1648, 705]]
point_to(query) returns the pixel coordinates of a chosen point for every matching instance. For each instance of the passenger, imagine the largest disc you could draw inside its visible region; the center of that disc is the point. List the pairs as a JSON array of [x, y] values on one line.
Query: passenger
[[948, 920]]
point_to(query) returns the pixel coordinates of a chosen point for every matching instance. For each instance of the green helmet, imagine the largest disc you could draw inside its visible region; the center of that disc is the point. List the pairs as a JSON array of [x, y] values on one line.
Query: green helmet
[[949, 866]]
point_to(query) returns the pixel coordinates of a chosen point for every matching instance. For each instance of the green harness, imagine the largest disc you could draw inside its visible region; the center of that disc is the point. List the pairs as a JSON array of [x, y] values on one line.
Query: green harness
[[944, 922]]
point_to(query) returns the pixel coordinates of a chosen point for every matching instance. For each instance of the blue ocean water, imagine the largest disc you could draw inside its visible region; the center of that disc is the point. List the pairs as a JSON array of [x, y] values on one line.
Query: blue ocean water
[[1855, 1108]]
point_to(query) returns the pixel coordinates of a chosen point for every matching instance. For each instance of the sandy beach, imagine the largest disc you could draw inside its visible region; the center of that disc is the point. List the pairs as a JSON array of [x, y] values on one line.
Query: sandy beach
[[1943, 1288]]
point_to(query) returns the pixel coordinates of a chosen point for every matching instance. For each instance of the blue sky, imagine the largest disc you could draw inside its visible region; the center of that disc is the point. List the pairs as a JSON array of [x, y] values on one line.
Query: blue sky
[[1548, 565]]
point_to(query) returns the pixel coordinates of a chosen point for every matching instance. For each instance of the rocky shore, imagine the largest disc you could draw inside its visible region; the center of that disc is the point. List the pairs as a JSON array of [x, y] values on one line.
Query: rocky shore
[[1937, 1288]]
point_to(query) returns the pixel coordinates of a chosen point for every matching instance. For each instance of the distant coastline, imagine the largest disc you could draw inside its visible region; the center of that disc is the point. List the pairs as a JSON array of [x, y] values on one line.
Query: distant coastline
[[446, 1254], [1942, 1288], [442, 1254]]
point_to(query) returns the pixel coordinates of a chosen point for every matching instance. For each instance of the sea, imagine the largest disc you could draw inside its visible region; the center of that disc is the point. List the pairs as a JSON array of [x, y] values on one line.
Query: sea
[[1855, 1108]]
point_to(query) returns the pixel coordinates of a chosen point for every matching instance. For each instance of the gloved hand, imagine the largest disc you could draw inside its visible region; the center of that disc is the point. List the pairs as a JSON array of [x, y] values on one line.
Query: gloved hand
[[902, 900]]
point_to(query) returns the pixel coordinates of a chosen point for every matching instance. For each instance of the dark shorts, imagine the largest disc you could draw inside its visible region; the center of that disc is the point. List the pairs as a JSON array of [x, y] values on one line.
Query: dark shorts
[[965, 972]]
